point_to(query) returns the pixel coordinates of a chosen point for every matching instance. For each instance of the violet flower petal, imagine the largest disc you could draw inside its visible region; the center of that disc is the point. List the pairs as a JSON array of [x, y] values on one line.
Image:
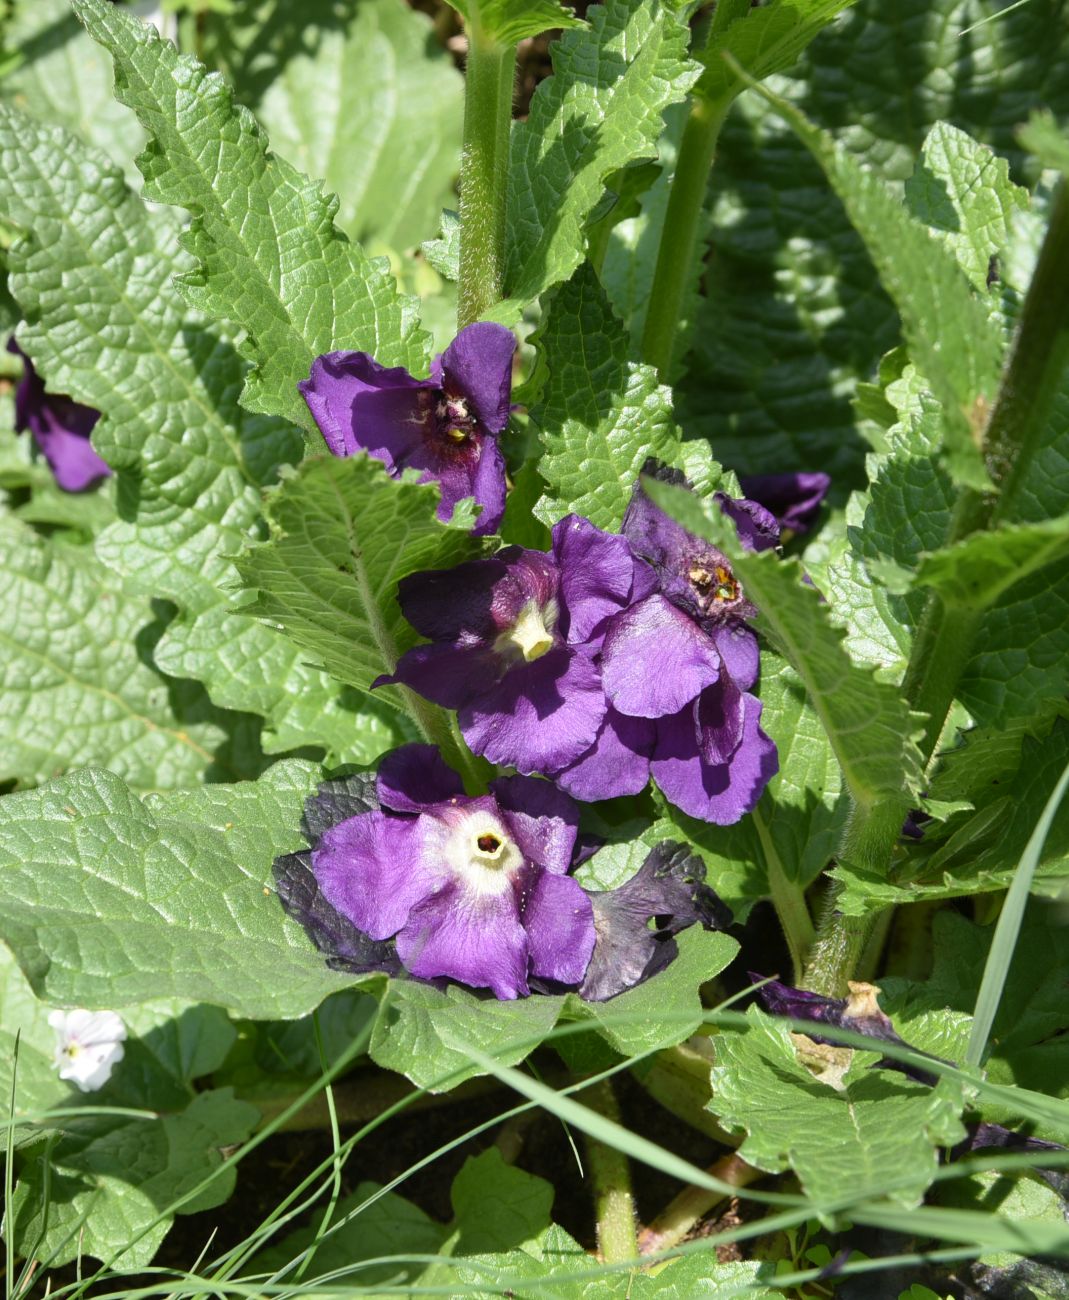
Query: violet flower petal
[[361, 405], [559, 920], [449, 675], [757, 527], [739, 652], [655, 659], [618, 763], [414, 776], [542, 820], [488, 488], [719, 717], [476, 600], [597, 571], [541, 716], [477, 365], [462, 935], [60, 427], [795, 499]]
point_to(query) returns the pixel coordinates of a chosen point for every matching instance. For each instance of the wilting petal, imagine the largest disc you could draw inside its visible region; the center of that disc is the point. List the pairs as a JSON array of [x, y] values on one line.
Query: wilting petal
[[559, 921], [757, 527], [794, 499], [618, 762], [463, 935], [451, 676], [414, 776], [721, 793], [597, 571], [739, 652], [360, 405], [477, 365], [542, 819], [335, 802], [540, 716], [655, 659], [373, 870]]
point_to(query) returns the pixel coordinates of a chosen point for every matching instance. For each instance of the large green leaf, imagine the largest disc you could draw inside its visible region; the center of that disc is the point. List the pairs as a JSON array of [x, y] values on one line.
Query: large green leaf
[[78, 685], [363, 97], [111, 900], [509, 21], [600, 111], [268, 257], [600, 415], [875, 1134]]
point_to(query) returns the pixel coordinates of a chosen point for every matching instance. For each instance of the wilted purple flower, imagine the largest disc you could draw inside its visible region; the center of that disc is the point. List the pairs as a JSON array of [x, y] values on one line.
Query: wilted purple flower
[[445, 426], [677, 667], [60, 428], [514, 643], [794, 499]]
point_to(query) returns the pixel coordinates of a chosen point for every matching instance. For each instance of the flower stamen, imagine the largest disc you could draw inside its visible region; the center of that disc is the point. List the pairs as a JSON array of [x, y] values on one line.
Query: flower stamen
[[532, 633]]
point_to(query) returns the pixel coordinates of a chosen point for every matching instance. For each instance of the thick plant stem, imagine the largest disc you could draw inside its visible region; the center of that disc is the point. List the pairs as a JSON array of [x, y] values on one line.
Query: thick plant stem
[[788, 899], [679, 235], [692, 1204], [490, 73], [610, 1177]]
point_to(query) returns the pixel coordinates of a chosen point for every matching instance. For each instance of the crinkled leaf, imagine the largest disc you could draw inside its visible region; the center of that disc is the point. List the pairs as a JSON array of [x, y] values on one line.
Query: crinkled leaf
[[509, 21], [443, 253], [21, 1015], [111, 900], [344, 534], [877, 1135], [976, 572], [268, 257], [108, 1179], [600, 415], [600, 111]]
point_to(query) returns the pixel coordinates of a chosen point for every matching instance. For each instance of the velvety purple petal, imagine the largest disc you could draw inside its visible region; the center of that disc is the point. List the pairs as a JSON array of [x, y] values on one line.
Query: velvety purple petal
[[448, 675], [542, 819], [540, 716], [721, 793], [360, 405], [478, 599], [739, 652], [655, 659], [618, 762], [414, 776], [373, 869], [597, 574], [720, 714], [757, 527], [482, 476], [559, 921], [465, 935], [794, 499], [655, 536], [477, 365], [60, 427], [71, 457]]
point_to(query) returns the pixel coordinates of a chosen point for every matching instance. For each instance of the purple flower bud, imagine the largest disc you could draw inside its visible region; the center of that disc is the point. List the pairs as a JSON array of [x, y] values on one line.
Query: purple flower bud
[[60, 428], [445, 426], [794, 499]]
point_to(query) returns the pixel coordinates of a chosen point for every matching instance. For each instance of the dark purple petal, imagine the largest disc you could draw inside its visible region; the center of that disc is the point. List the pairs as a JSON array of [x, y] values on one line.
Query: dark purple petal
[[739, 652], [449, 675], [757, 527], [362, 406], [669, 886], [721, 793], [477, 600], [477, 365], [60, 427], [488, 488], [597, 573], [541, 716], [721, 711], [337, 801], [656, 659], [618, 763], [465, 935], [653, 535], [373, 869], [795, 499], [542, 820], [559, 920], [414, 776]]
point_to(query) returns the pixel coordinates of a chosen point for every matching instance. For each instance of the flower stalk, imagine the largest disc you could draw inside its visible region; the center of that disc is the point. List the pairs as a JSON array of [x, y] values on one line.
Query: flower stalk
[[610, 1177]]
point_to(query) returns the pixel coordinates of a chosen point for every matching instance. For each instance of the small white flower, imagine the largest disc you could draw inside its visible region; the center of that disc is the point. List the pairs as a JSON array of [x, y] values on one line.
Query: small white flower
[[88, 1045]]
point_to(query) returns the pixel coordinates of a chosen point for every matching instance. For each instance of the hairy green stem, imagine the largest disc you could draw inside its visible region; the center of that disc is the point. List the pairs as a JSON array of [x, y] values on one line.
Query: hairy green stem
[[788, 899], [610, 1178], [489, 77], [678, 1079], [692, 1204]]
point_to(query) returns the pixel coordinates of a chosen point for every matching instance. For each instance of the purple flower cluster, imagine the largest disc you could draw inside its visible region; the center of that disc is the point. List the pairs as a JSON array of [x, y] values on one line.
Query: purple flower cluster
[[60, 428], [406, 871]]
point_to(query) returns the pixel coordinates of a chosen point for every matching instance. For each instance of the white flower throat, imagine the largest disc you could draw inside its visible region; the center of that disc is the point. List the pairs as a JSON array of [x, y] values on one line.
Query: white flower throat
[[531, 636], [479, 849]]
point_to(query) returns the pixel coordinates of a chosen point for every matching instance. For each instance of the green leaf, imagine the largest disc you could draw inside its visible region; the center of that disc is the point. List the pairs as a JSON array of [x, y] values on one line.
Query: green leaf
[[77, 681], [372, 105], [111, 900], [108, 1180], [1042, 136], [600, 111], [344, 534], [875, 1134], [600, 415], [510, 21], [443, 253], [963, 192], [296, 298], [869, 726], [191, 463], [950, 335], [497, 1206], [976, 572], [63, 79], [21, 1015]]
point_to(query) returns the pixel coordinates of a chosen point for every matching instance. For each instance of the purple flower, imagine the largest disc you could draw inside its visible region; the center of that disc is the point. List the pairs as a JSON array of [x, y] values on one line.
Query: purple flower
[[794, 499], [446, 426], [60, 428], [468, 888], [514, 643], [677, 666]]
